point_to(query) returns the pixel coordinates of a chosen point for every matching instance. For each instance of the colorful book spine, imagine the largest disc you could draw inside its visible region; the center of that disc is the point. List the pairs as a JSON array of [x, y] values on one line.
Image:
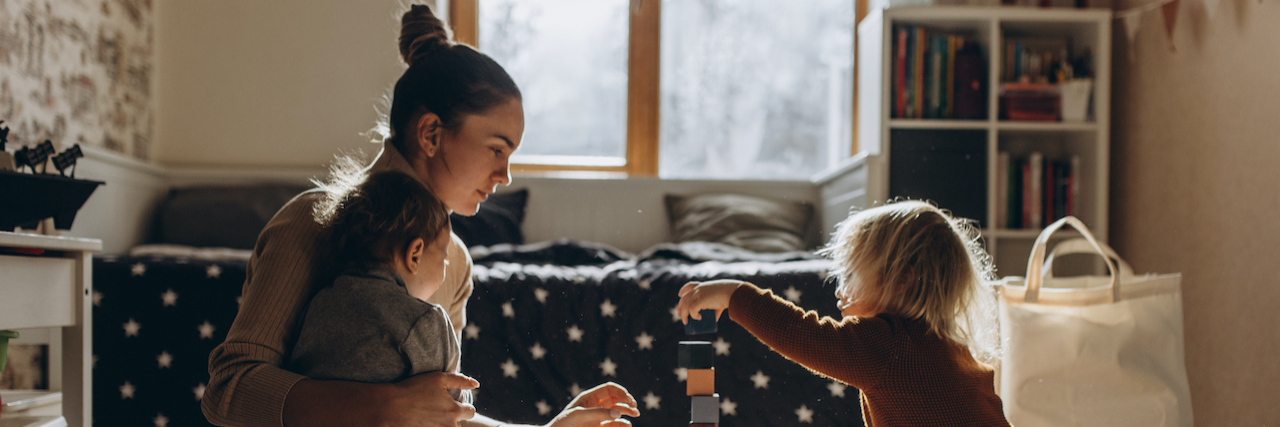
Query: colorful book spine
[[900, 75], [1002, 190], [919, 72]]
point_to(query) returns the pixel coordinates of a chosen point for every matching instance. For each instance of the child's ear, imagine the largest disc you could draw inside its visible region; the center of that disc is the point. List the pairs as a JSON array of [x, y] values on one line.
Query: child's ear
[[413, 255]]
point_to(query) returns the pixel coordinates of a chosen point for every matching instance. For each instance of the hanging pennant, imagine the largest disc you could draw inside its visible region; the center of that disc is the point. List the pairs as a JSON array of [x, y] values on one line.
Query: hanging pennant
[[1211, 8], [1132, 21], [1170, 12]]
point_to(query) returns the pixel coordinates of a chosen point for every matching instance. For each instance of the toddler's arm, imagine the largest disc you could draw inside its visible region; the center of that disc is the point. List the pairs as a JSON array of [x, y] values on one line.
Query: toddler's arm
[[853, 350]]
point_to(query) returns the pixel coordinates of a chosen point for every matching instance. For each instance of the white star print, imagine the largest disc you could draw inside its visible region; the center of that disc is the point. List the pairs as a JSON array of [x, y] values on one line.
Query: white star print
[[508, 310], [675, 315], [540, 294], [608, 368], [793, 294], [645, 341], [170, 297], [607, 308], [126, 390], [727, 407], [575, 334], [509, 369], [682, 374], [199, 391], [206, 330], [213, 271], [645, 284], [97, 299], [537, 351], [722, 347], [165, 360], [160, 420], [139, 269], [131, 328], [805, 414], [543, 407], [472, 331], [761, 380], [652, 401], [837, 389], [575, 390]]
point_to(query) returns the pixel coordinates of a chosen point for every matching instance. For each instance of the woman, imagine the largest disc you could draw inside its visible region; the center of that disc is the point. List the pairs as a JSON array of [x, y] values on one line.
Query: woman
[[455, 118]]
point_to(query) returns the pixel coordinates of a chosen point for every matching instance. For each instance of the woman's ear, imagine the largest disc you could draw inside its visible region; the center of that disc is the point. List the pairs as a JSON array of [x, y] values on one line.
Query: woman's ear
[[429, 130], [413, 255]]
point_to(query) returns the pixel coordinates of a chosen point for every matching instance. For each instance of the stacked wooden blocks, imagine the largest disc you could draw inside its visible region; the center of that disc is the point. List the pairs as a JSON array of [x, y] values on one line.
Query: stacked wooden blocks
[[696, 358]]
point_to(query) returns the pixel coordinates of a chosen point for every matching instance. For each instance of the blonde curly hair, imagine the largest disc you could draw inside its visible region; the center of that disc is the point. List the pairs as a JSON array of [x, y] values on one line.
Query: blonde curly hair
[[914, 260]]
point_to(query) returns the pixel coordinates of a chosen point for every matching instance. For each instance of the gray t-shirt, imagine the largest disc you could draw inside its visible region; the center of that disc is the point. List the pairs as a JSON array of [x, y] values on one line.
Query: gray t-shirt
[[367, 328]]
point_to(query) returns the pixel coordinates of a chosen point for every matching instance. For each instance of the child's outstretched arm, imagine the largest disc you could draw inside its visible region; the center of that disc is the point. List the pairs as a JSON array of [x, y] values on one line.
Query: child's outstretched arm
[[853, 350]]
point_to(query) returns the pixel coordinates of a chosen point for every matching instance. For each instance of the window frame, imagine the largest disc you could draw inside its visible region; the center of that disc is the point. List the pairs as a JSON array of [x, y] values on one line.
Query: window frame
[[643, 90]]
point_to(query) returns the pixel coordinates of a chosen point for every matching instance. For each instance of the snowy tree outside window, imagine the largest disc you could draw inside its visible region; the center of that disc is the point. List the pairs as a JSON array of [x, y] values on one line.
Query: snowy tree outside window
[[750, 89], [755, 89]]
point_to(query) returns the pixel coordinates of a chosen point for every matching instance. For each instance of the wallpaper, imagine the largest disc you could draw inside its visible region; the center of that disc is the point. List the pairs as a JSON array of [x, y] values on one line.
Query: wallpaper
[[78, 71]]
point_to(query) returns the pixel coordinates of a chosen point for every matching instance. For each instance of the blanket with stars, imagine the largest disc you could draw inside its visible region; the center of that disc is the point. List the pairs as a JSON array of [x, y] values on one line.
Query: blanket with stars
[[545, 321]]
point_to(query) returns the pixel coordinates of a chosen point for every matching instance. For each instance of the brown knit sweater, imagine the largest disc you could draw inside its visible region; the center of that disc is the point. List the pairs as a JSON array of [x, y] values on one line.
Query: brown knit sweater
[[907, 376]]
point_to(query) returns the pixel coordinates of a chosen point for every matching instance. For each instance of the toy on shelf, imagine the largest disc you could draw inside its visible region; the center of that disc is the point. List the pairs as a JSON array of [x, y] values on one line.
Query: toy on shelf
[[29, 198]]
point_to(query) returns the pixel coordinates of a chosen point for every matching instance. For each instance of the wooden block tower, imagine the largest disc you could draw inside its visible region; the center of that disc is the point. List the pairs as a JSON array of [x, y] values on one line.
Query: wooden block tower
[[696, 358]]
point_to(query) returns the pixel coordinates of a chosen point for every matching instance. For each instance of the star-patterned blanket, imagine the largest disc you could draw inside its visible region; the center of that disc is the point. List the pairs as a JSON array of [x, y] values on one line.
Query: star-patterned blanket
[[545, 321]]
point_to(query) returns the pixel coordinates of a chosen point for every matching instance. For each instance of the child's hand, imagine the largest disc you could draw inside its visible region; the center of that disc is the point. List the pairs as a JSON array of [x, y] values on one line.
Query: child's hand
[[696, 296]]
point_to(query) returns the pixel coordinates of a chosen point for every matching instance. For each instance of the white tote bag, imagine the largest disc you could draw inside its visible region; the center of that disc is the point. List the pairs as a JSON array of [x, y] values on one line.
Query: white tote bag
[[1092, 350]]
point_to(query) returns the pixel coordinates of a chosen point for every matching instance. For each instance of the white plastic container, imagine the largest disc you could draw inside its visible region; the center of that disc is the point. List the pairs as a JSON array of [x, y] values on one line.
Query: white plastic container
[[1075, 99]]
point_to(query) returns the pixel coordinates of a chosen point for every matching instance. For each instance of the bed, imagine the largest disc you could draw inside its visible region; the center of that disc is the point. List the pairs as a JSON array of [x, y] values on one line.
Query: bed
[[545, 319]]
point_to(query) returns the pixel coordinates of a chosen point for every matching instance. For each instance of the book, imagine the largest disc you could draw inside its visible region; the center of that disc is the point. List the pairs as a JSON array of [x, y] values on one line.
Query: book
[[1015, 193], [1035, 190], [900, 74], [1073, 187], [919, 72]]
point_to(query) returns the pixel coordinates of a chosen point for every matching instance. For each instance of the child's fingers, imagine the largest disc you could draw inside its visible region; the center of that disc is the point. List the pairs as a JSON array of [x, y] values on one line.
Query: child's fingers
[[687, 287]]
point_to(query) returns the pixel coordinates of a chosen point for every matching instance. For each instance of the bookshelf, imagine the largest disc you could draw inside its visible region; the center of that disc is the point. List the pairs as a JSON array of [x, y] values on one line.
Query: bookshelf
[[955, 162]]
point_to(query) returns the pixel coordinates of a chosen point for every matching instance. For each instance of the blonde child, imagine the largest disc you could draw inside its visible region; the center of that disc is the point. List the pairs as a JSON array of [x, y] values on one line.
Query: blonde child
[[918, 323], [374, 324]]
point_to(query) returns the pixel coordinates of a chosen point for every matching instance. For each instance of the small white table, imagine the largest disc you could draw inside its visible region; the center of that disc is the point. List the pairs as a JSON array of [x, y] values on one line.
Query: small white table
[[51, 289]]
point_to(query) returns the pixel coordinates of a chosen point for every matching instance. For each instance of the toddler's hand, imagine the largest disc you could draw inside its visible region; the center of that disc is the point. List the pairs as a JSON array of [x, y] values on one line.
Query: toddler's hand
[[696, 296]]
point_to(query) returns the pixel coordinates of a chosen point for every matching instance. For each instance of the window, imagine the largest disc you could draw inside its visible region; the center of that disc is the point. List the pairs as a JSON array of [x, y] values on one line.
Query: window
[[746, 89]]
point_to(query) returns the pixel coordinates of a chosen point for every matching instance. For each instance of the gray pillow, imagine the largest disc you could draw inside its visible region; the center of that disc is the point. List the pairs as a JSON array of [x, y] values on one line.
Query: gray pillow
[[751, 223], [219, 216]]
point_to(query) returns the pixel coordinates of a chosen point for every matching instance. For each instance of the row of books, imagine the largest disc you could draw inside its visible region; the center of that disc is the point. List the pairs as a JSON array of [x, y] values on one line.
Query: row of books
[[1034, 191], [937, 75], [1041, 60]]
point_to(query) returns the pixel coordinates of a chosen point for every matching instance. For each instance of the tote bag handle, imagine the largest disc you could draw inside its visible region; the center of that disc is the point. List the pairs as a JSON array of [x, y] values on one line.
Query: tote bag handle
[[1035, 265], [1081, 246]]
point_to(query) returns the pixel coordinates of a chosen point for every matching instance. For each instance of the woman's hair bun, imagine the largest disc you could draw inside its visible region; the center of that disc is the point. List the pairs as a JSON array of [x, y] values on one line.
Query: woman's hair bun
[[422, 32]]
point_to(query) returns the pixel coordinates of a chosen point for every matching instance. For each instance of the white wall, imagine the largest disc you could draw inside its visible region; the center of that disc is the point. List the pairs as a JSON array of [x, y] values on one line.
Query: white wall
[[279, 83], [1196, 190]]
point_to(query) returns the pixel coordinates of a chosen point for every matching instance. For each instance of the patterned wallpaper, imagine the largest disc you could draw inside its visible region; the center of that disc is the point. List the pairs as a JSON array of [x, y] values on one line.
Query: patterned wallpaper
[[78, 71]]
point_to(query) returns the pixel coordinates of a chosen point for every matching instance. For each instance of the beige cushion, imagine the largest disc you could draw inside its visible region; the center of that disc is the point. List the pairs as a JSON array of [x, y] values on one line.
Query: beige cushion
[[752, 223]]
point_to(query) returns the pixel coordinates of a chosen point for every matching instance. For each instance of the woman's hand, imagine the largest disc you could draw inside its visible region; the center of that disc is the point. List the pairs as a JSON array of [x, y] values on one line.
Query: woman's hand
[[698, 296], [599, 406], [424, 400]]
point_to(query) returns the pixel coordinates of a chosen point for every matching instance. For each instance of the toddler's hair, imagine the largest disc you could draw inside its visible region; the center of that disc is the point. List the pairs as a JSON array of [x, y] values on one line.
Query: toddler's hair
[[914, 260], [373, 222]]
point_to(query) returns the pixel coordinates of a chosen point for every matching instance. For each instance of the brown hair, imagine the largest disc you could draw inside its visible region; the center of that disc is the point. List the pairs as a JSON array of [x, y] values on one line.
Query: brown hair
[[914, 260], [444, 77], [375, 221]]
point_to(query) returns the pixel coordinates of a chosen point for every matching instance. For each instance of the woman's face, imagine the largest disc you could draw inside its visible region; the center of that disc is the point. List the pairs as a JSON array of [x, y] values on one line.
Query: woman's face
[[474, 158]]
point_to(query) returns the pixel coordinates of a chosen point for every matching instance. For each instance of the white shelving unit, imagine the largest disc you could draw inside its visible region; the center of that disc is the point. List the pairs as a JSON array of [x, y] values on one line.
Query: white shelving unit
[[49, 292], [1087, 29]]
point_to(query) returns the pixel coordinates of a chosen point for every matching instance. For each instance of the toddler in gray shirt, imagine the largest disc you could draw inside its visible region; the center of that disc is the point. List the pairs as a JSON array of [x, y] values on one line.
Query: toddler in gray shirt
[[373, 324]]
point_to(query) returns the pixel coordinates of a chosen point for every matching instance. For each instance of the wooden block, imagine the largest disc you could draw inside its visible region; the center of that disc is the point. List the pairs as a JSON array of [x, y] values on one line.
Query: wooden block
[[696, 354], [705, 409], [706, 325], [701, 382]]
